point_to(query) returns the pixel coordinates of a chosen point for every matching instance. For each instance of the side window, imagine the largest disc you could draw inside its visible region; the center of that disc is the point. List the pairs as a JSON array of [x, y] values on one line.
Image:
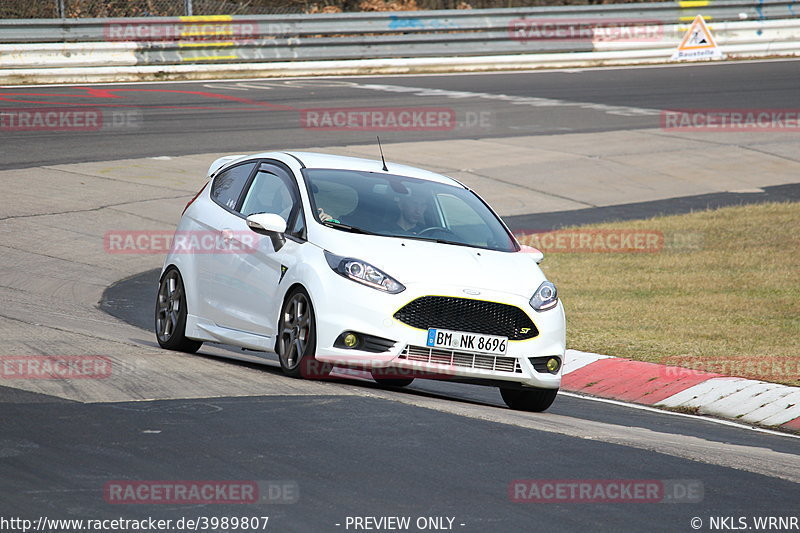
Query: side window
[[457, 213], [268, 194], [228, 185], [462, 219], [273, 191]]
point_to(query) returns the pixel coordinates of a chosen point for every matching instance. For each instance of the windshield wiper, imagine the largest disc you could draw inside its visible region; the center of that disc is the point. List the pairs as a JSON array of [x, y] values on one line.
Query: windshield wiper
[[439, 241], [456, 243], [346, 227]]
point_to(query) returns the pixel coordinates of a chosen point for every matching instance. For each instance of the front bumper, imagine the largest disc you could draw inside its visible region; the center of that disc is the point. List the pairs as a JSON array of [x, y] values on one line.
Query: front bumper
[[371, 312]]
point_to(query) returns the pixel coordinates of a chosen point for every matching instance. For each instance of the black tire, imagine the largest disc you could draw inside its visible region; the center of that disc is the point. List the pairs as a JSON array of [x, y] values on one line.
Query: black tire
[[536, 400], [391, 382], [297, 338], [170, 316]]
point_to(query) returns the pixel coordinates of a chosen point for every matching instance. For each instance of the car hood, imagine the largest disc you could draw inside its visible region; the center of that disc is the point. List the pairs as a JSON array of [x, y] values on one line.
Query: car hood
[[412, 261]]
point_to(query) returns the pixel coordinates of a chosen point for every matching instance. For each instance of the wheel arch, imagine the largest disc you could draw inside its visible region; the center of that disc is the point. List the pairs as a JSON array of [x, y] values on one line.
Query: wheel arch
[[186, 269], [167, 267]]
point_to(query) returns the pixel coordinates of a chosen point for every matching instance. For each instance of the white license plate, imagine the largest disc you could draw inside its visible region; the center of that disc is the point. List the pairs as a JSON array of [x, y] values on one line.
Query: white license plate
[[468, 342]]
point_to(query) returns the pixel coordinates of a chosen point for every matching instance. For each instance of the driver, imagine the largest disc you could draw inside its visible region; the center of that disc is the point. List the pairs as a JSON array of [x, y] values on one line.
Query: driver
[[412, 213]]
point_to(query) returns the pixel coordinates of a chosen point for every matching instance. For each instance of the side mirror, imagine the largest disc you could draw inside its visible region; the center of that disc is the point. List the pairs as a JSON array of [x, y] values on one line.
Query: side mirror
[[269, 224], [538, 256]]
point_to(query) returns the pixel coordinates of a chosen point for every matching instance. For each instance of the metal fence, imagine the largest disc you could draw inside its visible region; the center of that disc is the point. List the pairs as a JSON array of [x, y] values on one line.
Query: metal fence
[[30, 9], [33, 9]]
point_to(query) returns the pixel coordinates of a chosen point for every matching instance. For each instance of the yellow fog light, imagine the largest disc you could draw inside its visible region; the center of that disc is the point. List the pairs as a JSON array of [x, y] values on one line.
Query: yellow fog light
[[553, 364], [350, 340]]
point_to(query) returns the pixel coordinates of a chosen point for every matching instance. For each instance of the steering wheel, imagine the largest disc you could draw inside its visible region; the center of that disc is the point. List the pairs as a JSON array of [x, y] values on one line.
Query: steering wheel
[[432, 229]]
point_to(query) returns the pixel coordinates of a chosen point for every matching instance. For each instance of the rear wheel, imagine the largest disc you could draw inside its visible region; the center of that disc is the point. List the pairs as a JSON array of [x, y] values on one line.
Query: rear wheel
[[171, 314], [297, 338], [536, 400]]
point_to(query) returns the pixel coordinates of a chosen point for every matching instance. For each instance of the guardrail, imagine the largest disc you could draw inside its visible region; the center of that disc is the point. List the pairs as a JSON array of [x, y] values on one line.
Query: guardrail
[[343, 25], [629, 32]]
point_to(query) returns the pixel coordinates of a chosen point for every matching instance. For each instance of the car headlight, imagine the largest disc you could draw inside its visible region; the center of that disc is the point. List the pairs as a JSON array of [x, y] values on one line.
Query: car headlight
[[545, 297], [364, 273]]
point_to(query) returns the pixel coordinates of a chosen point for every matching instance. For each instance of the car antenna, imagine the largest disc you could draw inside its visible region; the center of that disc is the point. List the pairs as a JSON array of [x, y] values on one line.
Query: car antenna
[[385, 169]]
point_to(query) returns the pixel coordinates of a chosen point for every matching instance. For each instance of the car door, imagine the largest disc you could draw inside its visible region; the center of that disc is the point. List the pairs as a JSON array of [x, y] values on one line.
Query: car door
[[253, 268], [210, 249]]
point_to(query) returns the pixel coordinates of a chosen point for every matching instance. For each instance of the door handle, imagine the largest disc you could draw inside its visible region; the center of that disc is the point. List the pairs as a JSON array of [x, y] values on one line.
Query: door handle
[[227, 236]]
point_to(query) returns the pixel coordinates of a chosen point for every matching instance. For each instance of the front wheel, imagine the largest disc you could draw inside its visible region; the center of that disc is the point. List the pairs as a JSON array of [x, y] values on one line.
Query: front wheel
[[536, 400], [171, 314], [297, 338]]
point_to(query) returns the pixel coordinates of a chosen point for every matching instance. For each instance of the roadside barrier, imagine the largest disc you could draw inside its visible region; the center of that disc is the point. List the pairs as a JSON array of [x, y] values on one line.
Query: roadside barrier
[[77, 50]]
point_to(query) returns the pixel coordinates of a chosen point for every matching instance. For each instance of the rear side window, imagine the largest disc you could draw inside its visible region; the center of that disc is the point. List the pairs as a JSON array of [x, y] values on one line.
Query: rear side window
[[228, 185]]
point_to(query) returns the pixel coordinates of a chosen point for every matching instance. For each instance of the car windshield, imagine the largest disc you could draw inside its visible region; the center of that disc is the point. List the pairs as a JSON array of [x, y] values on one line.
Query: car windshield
[[398, 206]]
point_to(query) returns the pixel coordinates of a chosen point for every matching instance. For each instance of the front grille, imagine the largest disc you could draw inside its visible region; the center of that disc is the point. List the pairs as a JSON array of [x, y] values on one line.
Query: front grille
[[464, 314], [496, 363]]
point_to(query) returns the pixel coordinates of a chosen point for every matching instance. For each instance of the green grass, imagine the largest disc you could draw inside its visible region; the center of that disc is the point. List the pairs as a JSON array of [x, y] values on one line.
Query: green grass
[[722, 293]]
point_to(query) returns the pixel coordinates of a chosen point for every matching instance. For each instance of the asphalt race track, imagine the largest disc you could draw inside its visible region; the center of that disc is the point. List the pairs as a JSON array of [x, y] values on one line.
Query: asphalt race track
[[249, 116], [544, 148]]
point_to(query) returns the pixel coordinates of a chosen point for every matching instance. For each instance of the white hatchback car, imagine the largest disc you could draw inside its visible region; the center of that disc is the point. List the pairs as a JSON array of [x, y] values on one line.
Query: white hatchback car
[[336, 261]]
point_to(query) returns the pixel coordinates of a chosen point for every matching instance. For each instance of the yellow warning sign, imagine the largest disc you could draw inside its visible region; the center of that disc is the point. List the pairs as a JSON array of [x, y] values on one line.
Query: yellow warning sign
[[697, 43]]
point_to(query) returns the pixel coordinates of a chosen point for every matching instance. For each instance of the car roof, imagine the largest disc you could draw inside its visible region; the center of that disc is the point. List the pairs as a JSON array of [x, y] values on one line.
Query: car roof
[[317, 160]]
